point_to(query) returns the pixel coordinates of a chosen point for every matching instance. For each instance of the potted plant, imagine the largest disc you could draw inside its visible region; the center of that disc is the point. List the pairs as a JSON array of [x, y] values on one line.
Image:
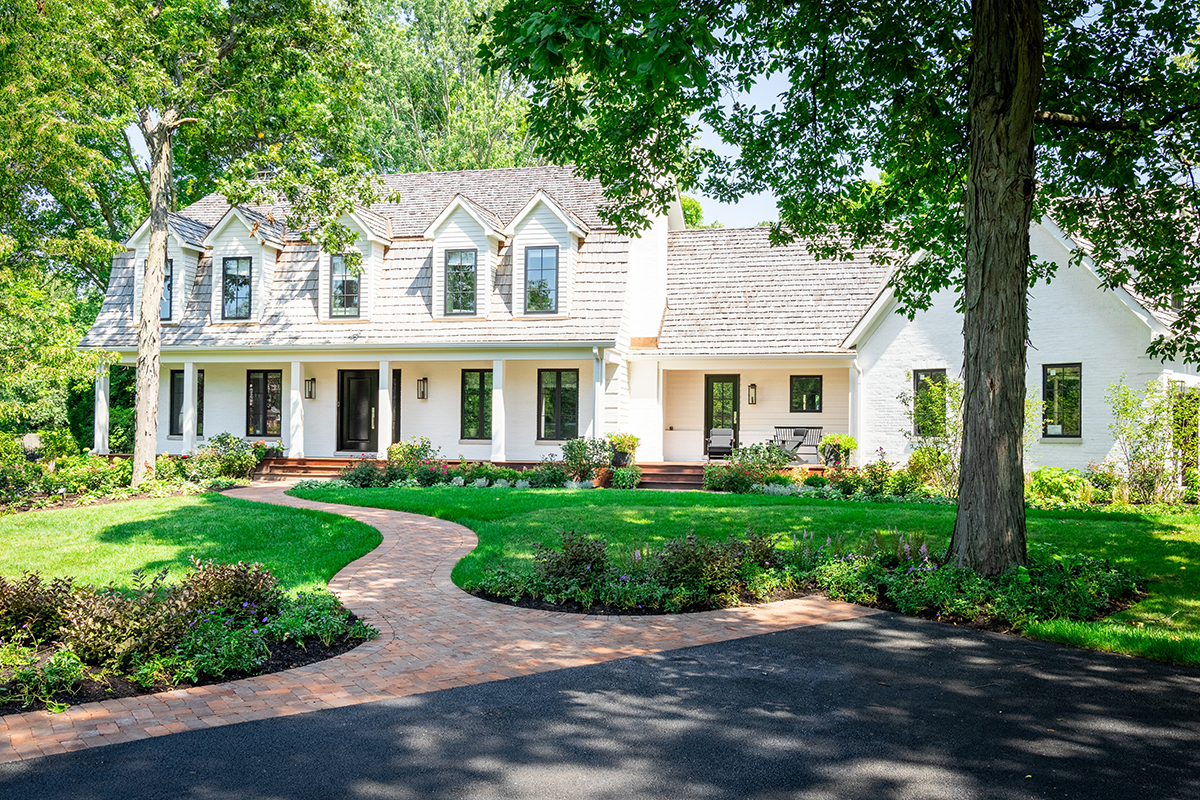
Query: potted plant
[[624, 447], [836, 448]]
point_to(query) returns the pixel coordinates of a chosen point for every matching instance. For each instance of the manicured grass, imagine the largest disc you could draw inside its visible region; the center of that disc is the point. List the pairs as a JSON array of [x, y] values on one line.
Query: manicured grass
[[1163, 546], [304, 549]]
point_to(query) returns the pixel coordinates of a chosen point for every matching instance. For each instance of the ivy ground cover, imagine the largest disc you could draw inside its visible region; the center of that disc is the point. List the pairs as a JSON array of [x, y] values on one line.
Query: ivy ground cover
[[1161, 545]]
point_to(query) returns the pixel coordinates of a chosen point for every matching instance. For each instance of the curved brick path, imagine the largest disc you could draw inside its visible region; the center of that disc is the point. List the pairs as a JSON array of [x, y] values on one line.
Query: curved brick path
[[432, 636]]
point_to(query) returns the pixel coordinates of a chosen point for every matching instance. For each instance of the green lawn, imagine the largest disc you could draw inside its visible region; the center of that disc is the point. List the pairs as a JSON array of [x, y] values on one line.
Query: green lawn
[[98, 544], [1165, 547]]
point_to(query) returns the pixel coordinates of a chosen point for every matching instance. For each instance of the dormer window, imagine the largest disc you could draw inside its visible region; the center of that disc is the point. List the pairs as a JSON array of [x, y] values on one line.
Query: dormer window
[[235, 288], [343, 289], [460, 281], [541, 280], [164, 307]]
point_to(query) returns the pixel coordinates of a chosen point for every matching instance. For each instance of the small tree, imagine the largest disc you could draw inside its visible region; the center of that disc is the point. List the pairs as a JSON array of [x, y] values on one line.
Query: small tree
[[935, 413], [1143, 429]]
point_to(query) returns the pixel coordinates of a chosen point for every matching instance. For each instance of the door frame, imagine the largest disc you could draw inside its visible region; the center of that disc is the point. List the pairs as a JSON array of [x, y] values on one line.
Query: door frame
[[709, 380], [372, 443]]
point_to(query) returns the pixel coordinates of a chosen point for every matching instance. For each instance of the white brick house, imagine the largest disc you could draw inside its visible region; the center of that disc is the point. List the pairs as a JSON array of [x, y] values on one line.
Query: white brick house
[[498, 314]]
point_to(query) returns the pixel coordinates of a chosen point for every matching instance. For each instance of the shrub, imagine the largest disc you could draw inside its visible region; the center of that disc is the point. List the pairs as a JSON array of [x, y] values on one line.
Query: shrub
[[431, 473], [903, 482], [234, 457], [412, 453], [709, 571], [547, 475], [578, 562], [626, 477], [309, 615], [876, 474], [18, 479], [816, 481], [34, 684], [505, 474], [364, 473], [836, 448], [1106, 481], [624, 443], [847, 482], [1052, 486], [582, 457], [242, 590], [107, 626], [727, 478], [57, 444], [759, 461], [215, 646], [32, 606]]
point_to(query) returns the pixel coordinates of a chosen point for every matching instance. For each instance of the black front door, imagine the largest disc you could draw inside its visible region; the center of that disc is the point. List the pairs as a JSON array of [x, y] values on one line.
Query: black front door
[[358, 409], [721, 404]]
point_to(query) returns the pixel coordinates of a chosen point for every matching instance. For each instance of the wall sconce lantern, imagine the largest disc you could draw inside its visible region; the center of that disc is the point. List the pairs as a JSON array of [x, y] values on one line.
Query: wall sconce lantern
[[753, 394], [310, 388], [422, 388]]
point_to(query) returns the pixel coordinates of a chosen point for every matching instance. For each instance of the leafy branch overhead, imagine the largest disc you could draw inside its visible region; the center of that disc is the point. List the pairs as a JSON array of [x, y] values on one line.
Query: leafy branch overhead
[[622, 87]]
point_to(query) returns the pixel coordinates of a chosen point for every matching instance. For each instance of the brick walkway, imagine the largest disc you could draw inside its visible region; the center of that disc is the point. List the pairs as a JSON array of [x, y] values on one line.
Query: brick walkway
[[432, 636]]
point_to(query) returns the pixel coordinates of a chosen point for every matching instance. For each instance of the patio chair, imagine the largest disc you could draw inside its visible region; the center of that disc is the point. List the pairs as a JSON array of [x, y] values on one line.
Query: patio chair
[[800, 443], [720, 443]]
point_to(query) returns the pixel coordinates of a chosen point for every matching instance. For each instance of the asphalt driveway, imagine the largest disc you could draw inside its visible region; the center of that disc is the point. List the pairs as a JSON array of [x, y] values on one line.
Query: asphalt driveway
[[880, 707]]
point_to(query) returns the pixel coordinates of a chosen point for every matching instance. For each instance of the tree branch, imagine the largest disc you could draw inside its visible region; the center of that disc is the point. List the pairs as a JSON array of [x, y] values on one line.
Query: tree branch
[[1060, 119], [137, 170]]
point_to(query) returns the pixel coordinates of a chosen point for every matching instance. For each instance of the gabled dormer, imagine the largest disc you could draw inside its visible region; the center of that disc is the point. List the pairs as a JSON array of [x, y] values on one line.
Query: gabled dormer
[[545, 251], [185, 245], [244, 246], [342, 294], [466, 244]]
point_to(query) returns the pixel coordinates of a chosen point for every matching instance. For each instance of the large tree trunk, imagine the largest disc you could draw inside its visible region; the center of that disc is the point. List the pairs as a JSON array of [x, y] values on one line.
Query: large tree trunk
[[145, 435], [1006, 73]]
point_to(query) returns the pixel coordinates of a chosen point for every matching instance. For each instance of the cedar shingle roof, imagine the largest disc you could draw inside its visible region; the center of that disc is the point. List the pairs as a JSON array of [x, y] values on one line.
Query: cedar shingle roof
[[400, 305], [729, 292], [190, 230], [423, 195]]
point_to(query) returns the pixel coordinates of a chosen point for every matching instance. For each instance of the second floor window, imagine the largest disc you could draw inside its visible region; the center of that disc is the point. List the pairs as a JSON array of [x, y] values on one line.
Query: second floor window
[[344, 291], [541, 279], [460, 282], [235, 288], [164, 308]]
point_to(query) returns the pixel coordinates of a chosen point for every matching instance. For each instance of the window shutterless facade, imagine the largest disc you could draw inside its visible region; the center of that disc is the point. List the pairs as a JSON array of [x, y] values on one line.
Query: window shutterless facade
[[806, 393], [235, 288], [476, 404], [558, 404], [264, 402], [176, 422], [929, 402], [541, 280], [343, 289], [460, 281], [1062, 400]]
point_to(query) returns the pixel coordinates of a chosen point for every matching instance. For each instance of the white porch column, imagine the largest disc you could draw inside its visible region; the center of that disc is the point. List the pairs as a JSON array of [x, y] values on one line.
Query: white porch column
[[296, 411], [385, 408], [594, 430], [100, 417], [855, 416], [189, 406], [499, 429]]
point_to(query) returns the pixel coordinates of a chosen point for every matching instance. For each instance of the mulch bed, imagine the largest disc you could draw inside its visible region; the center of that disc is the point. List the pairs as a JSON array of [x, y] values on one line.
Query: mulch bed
[[284, 655], [26, 507]]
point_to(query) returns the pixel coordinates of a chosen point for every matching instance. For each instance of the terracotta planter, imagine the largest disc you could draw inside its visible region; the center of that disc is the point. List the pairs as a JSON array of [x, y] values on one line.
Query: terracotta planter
[[602, 478]]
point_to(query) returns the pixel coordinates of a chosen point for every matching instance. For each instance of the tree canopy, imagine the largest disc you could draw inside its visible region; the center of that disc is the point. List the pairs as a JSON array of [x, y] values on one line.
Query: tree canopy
[[943, 99]]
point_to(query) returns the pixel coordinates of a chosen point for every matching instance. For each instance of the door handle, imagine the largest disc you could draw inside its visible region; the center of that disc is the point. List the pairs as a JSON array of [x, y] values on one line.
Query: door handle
[[372, 419]]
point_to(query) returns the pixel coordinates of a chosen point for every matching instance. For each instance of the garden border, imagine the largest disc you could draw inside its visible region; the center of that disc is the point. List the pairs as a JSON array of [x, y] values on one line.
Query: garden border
[[432, 636]]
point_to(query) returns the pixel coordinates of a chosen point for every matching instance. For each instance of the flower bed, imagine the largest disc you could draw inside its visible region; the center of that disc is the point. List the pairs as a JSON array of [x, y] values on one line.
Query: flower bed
[[219, 621]]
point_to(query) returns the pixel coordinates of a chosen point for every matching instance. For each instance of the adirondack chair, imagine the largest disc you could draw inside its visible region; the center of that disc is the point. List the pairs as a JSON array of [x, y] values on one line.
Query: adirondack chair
[[720, 443], [801, 443]]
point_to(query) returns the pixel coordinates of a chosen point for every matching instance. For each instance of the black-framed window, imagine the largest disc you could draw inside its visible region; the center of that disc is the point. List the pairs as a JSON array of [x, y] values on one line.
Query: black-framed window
[[476, 404], [235, 288], [264, 402], [1062, 400], [343, 289], [806, 393], [164, 306], [558, 404], [929, 402], [396, 405], [541, 279], [460, 281], [176, 424]]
